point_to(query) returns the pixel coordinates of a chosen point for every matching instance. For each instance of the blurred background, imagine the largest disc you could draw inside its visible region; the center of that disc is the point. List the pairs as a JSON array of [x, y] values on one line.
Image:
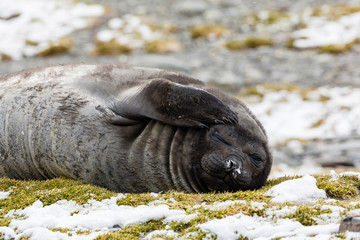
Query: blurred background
[[294, 63]]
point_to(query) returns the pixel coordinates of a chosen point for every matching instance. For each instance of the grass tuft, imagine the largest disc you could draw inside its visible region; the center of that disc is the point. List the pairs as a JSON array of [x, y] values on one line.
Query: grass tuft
[[335, 12], [235, 45], [61, 46], [254, 42], [336, 49], [208, 31], [25, 193], [112, 47], [163, 46], [344, 187], [250, 42]]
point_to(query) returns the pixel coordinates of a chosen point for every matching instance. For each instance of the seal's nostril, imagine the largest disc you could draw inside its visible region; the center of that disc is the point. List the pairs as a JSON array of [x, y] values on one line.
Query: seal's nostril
[[232, 164]]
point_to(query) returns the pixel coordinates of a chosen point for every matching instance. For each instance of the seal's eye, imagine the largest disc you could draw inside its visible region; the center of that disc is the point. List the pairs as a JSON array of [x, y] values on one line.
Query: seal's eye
[[214, 135], [256, 159]]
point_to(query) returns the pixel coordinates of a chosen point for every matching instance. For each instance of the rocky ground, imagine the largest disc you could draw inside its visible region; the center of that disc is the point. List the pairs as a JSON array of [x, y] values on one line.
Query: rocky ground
[[206, 59]]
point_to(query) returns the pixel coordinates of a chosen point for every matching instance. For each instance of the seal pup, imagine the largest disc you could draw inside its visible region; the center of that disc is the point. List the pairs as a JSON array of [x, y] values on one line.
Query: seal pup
[[128, 129]]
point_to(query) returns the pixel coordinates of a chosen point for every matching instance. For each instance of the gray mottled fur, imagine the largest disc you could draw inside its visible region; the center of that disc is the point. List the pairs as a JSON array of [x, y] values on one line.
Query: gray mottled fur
[[108, 125]]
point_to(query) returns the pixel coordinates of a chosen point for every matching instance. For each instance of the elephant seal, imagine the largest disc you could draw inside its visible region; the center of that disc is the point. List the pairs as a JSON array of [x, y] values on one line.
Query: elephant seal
[[128, 129]]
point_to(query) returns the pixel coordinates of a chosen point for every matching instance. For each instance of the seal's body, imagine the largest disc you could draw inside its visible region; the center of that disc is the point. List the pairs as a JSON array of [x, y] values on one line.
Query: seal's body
[[128, 129]]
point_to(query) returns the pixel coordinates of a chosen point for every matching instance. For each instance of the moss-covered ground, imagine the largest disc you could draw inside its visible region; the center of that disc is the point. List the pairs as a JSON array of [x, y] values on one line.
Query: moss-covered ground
[[344, 189]]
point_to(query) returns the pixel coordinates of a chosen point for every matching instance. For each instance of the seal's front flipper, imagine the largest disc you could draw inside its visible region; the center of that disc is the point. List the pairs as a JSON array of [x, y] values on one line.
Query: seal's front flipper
[[173, 103]]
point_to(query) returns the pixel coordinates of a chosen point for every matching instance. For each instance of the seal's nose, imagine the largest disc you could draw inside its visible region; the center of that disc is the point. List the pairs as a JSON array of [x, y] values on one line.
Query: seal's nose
[[235, 169], [233, 164]]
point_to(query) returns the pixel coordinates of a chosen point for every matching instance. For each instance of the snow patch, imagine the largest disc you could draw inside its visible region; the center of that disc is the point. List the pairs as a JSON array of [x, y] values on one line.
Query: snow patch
[[277, 212], [96, 216], [323, 113], [259, 205], [351, 174], [322, 32], [30, 27], [255, 227], [167, 233], [302, 190], [129, 30], [225, 204], [283, 169], [4, 194]]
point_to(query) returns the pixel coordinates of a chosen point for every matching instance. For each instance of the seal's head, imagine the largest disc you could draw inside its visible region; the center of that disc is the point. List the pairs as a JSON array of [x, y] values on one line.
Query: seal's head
[[234, 156]]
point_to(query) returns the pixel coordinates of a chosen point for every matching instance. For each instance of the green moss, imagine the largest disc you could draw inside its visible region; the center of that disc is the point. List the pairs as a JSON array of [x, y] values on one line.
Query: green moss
[[305, 215], [272, 182], [135, 200], [70, 231], [216, 31], [343, 188], [5, 57], [254, 42], [290, 43], [165, 28], [266, 18], [163, 46], [235, 45], [345, 108], [335, 12], [61, 46], [111, 48], [245, 209], [336, 49], [134, 231], [25, 193], [250, 42], [31, 43], [4, 221], [15, 15], [340, 235], [318, 123], [245, 238], [261, 89]]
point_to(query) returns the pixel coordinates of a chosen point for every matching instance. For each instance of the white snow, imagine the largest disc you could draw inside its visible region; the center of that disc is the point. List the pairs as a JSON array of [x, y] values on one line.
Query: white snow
[[183, 217], [322, 32], [225, 204], [326, 112], [7, 233], [257, 228], [277, 212], [29, 27], [130, 30], [332, 217], [98, 217], [351, 174], [302, 190], [167, 233], [4, 194], [259, 205], [283, 169]]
